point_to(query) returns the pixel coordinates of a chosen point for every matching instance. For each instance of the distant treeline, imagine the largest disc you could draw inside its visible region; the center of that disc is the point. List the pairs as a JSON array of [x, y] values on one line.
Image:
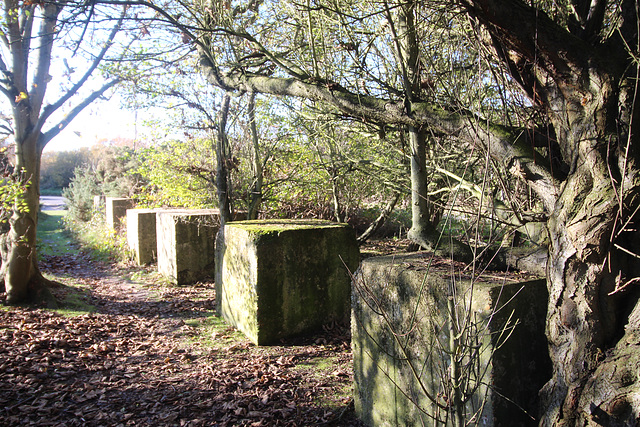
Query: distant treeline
[[58, 167]]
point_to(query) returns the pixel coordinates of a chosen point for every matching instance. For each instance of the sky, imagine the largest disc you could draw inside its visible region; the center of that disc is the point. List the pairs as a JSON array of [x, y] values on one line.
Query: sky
[[104, 120]]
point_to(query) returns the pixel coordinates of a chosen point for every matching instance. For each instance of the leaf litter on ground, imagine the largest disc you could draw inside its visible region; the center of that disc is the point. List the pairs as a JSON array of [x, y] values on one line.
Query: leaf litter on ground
[[137, 355]]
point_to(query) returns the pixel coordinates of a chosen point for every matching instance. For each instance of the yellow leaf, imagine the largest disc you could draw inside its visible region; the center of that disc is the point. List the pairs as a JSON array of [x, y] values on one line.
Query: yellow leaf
[[21, 96]]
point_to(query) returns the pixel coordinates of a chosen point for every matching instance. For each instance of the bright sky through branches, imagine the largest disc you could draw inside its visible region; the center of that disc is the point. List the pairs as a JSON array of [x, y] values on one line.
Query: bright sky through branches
[[104, 120]]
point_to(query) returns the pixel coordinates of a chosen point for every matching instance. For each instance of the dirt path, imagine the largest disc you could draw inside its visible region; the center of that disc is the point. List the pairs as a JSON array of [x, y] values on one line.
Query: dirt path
[[152, 354]]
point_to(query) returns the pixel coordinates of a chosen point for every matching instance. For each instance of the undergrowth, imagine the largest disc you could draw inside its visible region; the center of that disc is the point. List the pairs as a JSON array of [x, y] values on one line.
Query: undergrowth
[[52, 237], [105, 243]]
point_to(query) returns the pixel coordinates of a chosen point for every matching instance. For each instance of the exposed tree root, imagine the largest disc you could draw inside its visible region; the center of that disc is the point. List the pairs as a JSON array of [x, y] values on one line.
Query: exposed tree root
[[39, 292]]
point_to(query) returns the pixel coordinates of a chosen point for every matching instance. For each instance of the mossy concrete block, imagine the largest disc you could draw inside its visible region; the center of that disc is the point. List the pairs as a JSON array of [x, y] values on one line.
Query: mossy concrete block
[[186, 242], [279, 279], [402, 345], [141, 235], [117, 210]]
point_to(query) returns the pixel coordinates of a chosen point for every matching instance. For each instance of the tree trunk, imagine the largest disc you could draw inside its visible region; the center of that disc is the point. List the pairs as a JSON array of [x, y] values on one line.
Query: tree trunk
[[26, 76], [339, 212], [256, 186], [422, 231], [583, 77], [22, 278], [379, 222], [222, 157], [586, 315], [581, 317], [594, 245]]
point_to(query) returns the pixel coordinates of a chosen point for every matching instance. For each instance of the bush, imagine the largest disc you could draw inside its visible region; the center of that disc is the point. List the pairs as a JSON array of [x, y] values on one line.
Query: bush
[[80, 192], [113, 175], [105, 244], [179, 174]]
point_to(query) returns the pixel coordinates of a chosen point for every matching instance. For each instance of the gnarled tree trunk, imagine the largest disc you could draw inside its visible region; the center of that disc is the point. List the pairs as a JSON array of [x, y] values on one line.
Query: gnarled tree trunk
[[589, 92], [593, 239]]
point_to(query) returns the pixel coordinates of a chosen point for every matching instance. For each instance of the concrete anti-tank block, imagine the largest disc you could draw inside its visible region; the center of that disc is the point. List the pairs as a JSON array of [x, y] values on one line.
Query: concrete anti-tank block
[[276, 279], [117, 210], [403, 338], [141, 235], [185, 243]]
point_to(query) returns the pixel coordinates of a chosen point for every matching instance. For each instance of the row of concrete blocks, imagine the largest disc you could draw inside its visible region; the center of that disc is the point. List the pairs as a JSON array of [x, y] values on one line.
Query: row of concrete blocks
[[278, 279], [180, 240]]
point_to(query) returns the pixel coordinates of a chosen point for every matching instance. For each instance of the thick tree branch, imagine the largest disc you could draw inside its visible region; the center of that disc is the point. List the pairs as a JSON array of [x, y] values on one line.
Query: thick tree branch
[[46, 34], [49, 109], [14, 35], [55, 130], [512, 147], [528, 32], [26, 26]]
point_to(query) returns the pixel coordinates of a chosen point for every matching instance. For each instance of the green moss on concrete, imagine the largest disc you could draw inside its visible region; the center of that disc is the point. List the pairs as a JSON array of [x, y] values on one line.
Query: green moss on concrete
[[279, 279], [414, 300], [275, 226]]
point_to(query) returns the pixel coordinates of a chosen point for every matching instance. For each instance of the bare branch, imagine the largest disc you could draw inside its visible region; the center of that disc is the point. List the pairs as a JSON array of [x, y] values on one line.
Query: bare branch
[[49, 109], [55, 130], [46, 34]]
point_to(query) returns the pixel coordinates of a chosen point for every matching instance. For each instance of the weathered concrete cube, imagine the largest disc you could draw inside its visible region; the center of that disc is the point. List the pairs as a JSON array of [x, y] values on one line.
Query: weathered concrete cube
[[276, 279], [117, 210], [403, 338], [185, 243], [141, 235]]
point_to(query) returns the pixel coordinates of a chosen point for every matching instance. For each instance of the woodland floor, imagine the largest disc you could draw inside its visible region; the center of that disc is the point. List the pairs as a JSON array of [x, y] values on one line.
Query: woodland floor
[[131, 349]]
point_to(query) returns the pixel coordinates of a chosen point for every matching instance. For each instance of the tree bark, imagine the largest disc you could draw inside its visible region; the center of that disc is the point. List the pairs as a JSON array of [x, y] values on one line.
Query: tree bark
[[21, 254], [222, 157], [256, 186], [22, 278], [582, 317]]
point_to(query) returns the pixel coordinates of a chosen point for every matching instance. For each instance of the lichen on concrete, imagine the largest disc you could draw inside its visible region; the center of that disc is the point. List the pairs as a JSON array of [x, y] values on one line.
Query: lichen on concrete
[[186, 243], [401, 331], [276, 279]]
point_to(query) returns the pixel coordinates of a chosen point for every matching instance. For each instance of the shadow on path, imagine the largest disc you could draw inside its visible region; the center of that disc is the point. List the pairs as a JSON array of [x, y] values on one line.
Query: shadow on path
[[139, 352]]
